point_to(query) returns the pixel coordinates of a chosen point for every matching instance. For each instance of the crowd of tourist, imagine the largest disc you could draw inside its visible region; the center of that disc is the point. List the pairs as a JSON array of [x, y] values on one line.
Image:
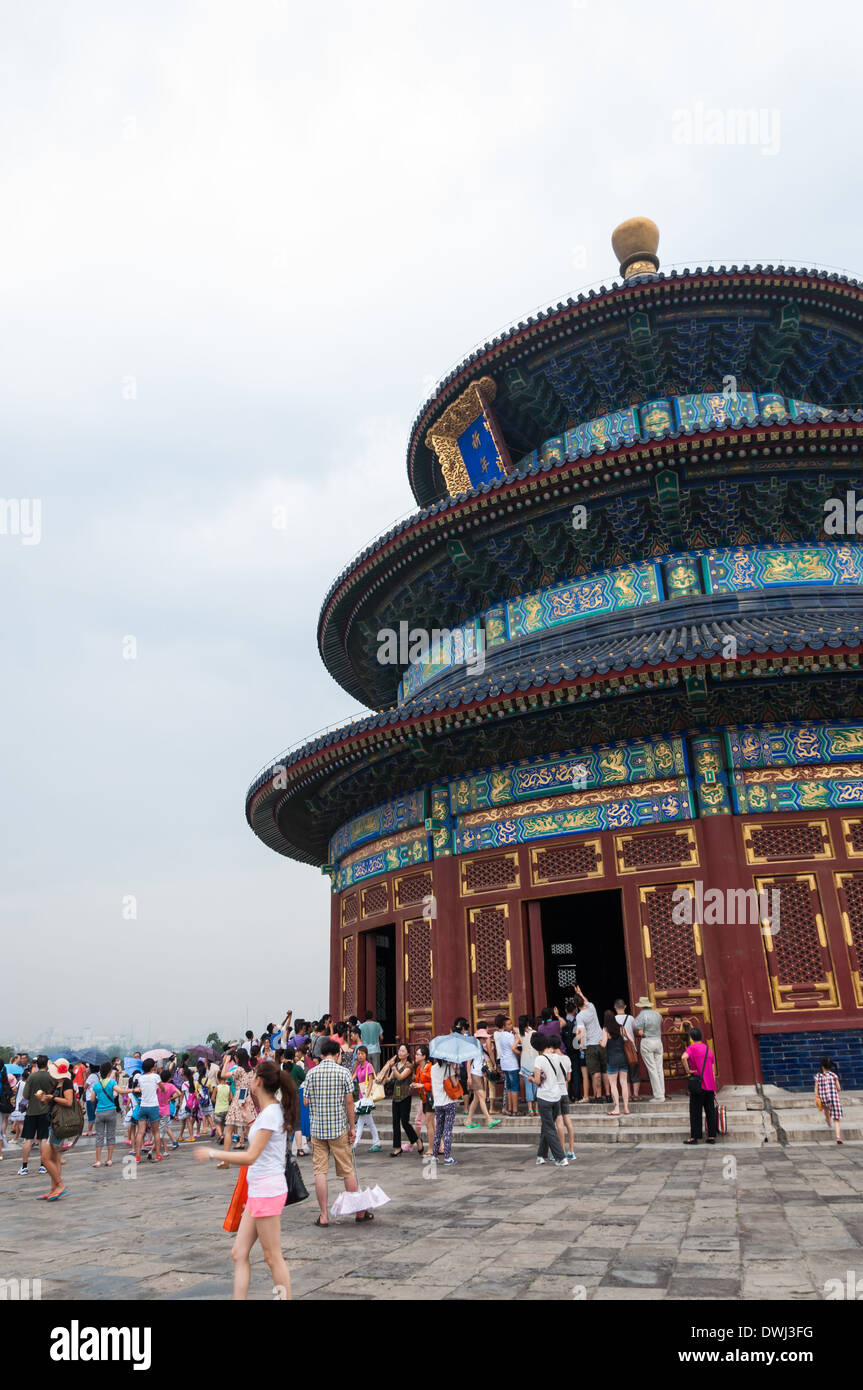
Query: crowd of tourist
[[311, 1088]]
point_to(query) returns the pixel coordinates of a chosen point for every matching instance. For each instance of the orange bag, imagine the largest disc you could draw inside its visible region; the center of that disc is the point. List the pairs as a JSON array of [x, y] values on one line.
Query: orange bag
[[238, 1202]]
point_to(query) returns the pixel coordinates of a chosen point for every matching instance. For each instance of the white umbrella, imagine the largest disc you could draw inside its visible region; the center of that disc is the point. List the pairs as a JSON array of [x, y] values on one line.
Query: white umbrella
[[158, 1054], [363, 1200], [455, 1048]]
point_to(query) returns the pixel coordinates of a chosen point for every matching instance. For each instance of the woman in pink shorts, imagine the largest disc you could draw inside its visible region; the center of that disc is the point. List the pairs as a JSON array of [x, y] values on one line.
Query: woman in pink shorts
[[276, 1096]]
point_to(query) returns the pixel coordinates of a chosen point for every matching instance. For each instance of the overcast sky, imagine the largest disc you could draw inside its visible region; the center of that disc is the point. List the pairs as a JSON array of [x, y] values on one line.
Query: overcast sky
[[238, 244]]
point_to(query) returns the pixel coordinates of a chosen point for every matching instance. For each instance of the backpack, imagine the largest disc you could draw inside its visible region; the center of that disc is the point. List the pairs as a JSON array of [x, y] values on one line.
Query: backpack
[[204, 1094]]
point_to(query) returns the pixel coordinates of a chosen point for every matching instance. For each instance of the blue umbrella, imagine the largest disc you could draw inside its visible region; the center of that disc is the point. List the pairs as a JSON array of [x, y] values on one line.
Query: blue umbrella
[[455, 1047], [14, 1069]]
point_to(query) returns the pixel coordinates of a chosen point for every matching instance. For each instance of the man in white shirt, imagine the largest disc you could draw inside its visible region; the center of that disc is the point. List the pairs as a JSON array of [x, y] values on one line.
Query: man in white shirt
[[648, 1026], [595, 1056], [560, 1061], [505, 1045], [627, 1024], [547, 1078]]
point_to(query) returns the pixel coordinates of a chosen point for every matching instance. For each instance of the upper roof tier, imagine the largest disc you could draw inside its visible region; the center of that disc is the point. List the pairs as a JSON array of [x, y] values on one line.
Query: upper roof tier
[[769, 328]]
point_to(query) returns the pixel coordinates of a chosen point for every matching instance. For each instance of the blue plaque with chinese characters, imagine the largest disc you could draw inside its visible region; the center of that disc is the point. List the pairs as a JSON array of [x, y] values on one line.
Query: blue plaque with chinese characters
[[479, 452]]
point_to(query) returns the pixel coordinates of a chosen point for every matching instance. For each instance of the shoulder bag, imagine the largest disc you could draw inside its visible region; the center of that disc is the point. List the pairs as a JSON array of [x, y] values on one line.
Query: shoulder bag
[[693, 1083], [629, 1048], [67, 1121], [297, 1191]]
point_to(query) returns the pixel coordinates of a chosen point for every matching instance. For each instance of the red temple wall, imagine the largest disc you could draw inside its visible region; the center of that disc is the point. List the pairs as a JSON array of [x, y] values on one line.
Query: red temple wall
[[482, 950]]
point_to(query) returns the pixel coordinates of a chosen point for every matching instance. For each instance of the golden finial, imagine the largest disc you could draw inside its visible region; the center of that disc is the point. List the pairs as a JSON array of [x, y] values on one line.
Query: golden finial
[[635, 242]]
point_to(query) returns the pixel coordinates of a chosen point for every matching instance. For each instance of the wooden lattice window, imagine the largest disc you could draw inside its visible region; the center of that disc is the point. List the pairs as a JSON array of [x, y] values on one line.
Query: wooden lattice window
[[664, 850], [418, 953], [675, 960], [490, 941], [350, 908], [796, 948], [854, 836], [581, 860], [349, 974], [484, 875], [789, 840], [413, 889], [850, 888], [375, 899], [796, 952]]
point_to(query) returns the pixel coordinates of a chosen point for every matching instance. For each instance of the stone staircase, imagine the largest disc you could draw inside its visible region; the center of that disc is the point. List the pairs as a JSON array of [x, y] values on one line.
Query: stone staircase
[[651, 1122], [797, 1121]]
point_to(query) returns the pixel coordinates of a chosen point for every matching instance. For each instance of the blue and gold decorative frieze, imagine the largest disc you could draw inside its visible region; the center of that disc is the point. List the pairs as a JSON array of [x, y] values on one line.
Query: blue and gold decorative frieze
[[627, 587], [615, 764], [671, 801], [656, 419], [774, 745], [383, 820], [398, 853], [765, 567], [812, 788]]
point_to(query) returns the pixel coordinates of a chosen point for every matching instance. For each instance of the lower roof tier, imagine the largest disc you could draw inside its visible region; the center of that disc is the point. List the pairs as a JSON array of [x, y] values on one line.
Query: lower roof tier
[[300, 802], [753, 769]]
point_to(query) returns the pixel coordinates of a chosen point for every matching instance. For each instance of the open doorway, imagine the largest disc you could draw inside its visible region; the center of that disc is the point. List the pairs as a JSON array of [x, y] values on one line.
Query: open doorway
[[385, 981], [582, 941]]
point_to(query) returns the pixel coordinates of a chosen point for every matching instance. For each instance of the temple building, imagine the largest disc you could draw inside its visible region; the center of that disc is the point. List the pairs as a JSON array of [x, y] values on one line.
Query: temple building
[[614, 659]]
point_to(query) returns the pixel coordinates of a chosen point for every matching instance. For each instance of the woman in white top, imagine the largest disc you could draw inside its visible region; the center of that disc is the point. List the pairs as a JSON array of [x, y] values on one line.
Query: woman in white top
[[527, 1058], [278, 1104]]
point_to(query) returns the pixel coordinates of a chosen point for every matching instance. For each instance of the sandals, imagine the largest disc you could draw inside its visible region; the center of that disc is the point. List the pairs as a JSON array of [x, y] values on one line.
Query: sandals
[[396, 1153], [420, 1148], [324, 1225], [690, 1141], [364, 1216]]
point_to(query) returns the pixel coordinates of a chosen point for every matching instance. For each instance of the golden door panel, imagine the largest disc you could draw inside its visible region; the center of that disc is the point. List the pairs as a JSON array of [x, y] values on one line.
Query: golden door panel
[[797, 956], [349, 975], [418, 979], [674, 968], [490, 960]]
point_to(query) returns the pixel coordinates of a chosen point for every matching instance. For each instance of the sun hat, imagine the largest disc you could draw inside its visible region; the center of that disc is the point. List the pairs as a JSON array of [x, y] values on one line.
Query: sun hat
[[643, 1003], [58, 1068]]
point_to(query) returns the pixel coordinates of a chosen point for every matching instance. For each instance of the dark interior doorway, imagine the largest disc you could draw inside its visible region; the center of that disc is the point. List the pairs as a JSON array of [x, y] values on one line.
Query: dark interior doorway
[[582, 940], [385, 981]]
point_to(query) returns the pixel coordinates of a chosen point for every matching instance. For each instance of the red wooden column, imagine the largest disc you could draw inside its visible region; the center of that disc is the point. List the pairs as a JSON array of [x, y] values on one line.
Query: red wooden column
[[731, 956], [536, 990], [449, 948], [335, 1003]]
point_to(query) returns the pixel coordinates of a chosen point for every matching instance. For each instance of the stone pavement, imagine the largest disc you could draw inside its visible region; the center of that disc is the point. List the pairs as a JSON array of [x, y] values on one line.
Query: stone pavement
[[640, 1222]]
